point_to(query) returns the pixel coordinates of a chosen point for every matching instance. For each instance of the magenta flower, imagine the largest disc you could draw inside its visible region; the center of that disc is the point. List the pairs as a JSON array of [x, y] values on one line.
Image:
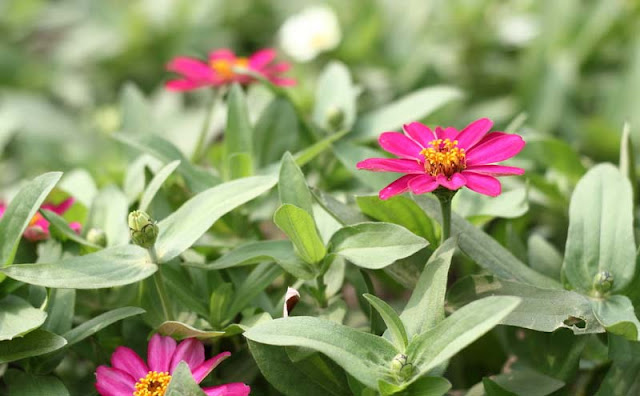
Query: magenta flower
[[38, 228], [446, 158], [222, 68], [130, 375]]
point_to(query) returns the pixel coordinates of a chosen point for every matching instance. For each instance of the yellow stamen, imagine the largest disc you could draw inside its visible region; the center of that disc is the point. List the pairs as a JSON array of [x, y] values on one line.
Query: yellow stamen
[[224, 67], [153, 384], [37, 217], [444, 157]]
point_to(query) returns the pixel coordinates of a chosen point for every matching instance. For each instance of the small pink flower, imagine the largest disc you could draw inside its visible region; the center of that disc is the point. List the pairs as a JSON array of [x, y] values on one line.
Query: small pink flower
[[221, 69], [446, 158], [38, 228], [130, 375]]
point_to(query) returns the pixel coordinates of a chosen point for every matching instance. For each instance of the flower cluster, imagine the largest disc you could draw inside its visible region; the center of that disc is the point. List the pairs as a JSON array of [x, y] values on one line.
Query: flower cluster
[[38, 228]]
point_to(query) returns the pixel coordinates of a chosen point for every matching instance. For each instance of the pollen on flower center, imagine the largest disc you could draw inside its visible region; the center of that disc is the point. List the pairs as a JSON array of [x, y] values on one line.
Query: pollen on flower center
[[444, 157], [153, 384], [224, 67]]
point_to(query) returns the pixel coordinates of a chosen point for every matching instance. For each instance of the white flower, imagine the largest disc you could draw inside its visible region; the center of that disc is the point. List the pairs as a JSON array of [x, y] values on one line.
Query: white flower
[[306, 34], [518, 30]]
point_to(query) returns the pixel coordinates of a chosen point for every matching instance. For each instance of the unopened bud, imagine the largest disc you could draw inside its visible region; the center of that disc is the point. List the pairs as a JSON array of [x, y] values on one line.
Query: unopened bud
[[603, 282], [335, 118], [291, 298], [143, 229], [401, 368], [97, 237]]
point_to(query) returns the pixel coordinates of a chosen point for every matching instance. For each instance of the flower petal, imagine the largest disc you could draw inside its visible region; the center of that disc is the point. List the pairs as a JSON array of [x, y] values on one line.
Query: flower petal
[[420, 133], [261, 58], [391, 165], [280, 67], [483, 184], [397, 187], [182, 85], [114, 382], [191, 351], [223, 53], [473, 132], [233, 389], [400, 145], [201, 372], [495, 149], [127, 360], [160, 352], [59, 208], [423, 184], [283, 82], [450, 133], [455, 182], [192, 69], [496, 170]]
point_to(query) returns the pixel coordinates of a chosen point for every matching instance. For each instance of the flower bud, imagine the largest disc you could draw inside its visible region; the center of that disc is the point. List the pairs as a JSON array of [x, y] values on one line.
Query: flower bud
[[401, 368], [143, 228], [291, 298], [97, 237], [335, 118], [603, 282]]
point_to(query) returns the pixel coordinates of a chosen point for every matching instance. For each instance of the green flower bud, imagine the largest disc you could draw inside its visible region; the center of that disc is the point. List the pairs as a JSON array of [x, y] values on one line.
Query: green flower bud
[[97, 237], [401, 368], [335, 118], [143, 228], [603, 282]]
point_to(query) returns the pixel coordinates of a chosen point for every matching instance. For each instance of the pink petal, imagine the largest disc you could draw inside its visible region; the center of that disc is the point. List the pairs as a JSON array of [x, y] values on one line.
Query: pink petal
[[495, 149], [191, 351], [222, 53], [261, 58], [75, 226], [496, 170], [280, 67], [420, 133], [160, 352], [283, 82], [36, 233], [201, 372], [473, 132], [3, 207], [182, 85], [114, 382], [456, 181], [450, 133], [483, 184], [233, 389], [423, 184], [397, 187], [400, 145], [127, 360], [192, 69], [60, 208], [391, 165]]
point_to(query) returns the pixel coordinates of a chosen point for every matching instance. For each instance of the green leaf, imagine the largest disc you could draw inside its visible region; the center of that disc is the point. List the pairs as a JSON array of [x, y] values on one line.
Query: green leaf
[[350, 154], [62, 226], [304, 156], [280, 252], [219, 303], [109, 213], [341, 212], [617, 315], [399, 210], [259, 279], [425, 308], [239, 133], [183, 227], [335, 92], [365, 356], [155, 184], [375, 245], [18, 317], [182, 383], [292, 185], [116, 266], [137, 117], [20, 211], [540, 309], [543, 256], [628, 159], [623, 378], [600, 236], [508, 205], [301, 230], [424, 386], [391, 319], [555, 154], [526, 382], [276, 132], [60, 309], [453, 334], [414, 106], [21, 383], [493, 389], [37, 342], [94, 325], [180, 331], [485, 250]]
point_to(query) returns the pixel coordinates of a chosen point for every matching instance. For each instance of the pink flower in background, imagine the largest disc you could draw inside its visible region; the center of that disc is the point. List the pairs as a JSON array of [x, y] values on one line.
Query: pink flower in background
[[38, 228], [446, 158], [222, 68], [130, 375]]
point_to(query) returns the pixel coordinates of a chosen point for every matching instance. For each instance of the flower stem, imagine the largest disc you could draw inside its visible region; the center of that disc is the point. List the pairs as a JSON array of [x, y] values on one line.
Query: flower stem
[[159, 283], [445, 197], [321, 296], [211, 105]]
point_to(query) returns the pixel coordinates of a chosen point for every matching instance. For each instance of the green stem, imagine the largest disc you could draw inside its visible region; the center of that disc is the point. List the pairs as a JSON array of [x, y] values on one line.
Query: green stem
[[321, 296], [159, 283], [445, 196], [211, 105]]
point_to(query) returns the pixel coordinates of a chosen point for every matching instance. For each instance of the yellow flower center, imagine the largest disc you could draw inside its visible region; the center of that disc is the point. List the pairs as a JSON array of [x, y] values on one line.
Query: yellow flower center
[[153, 384], [224, 67], [444, 157], [37, 217]]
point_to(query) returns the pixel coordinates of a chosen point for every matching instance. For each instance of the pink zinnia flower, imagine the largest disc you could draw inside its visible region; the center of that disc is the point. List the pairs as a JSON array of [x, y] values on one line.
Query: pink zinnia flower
[[446, 158], [221, 69], [38, 228], [130, 375]]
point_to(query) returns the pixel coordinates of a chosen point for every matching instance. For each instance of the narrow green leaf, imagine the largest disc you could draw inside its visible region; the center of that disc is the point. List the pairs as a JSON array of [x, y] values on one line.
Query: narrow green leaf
[[627, 163], [155, 184], [343, 213], [181, 331], [301, 230], [617, 315], [183, 227], [94, 325], [109, 213], [20, 211], [391, 319], [182, 383], [62, 226], [600, 236], [335, 93], [526, 382], [375, 245], [493, 389], [18, 317], [60, 310], [35, 343], [116, 266], [277, 120], [543, 257], [304, 156], [259, 279], [424, 386], [219, 304], [508, 205], [239, 133], [623, 377], [21, 383], [349, 154], [292, 185], [555, 154]]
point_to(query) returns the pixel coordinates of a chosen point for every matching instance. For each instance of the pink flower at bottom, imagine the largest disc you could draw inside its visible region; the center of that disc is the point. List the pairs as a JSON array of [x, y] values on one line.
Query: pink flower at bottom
[[38, 228], [130, 375], [446, 158]]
